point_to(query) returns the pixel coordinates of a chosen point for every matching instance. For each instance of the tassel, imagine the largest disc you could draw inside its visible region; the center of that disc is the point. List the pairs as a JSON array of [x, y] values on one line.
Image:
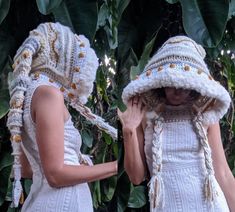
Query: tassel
[[17, 192], [86, 159], [22, 198], [156, 191], [209, 188]]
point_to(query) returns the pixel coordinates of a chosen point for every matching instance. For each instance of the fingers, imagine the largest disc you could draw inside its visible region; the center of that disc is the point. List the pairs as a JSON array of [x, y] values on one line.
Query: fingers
[[134, 113], [135, 101]]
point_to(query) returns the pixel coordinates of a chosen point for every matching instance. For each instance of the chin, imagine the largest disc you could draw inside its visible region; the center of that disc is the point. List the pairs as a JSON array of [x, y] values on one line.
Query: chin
[[175, 103]]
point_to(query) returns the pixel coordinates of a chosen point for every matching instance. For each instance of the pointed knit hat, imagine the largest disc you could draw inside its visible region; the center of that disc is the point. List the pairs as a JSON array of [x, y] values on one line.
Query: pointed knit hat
[[180, 63]]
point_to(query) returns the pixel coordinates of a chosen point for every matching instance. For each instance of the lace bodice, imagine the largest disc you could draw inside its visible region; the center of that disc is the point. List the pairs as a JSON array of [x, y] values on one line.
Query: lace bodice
[[180, 144]]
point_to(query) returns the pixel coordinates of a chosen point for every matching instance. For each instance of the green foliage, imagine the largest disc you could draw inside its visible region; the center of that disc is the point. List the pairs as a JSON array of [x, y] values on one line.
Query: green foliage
[[46, 7], [4, 106], [231, 9], [137, 197], [4, 8], [136, 70], [208, 19], [5, 170], [80, 15], [172, 1]]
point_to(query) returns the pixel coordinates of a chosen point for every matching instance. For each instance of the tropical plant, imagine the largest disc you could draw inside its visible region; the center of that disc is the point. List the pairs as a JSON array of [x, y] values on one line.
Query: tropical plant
[[144, 26]]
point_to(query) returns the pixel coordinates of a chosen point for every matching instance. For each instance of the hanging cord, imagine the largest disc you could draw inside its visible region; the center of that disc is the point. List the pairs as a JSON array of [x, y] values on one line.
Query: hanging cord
[[94, 119], [209, 188], [17, 87], [156, 184]]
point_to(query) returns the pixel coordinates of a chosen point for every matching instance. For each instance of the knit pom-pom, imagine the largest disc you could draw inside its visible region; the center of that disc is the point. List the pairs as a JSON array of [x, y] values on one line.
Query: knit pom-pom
[[83, 99]]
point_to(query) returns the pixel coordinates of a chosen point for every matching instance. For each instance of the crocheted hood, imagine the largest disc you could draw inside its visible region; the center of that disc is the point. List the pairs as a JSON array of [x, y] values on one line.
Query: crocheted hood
[[64, 56], [54, 53], [179, 63]]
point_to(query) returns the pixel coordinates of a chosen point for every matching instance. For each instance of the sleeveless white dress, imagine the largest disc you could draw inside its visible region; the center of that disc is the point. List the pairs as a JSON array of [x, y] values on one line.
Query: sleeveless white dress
[[42, 197], [183, 165]]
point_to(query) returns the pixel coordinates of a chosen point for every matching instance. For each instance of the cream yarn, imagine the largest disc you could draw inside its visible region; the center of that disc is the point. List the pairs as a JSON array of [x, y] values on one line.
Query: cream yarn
[[54, 51], [179, 63]]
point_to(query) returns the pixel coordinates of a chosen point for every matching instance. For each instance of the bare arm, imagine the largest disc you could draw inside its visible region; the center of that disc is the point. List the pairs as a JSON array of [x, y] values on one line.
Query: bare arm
[[48, 107], [223, 174], [26, 171], [134, 159]]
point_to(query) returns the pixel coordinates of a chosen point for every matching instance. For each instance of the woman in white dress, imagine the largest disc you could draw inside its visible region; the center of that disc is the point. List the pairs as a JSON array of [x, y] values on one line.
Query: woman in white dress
[[171, 132], [52, 65]]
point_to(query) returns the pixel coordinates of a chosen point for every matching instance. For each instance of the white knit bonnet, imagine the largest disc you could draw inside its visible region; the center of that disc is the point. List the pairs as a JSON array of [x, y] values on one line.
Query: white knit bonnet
[[179, 63], [53, 52]]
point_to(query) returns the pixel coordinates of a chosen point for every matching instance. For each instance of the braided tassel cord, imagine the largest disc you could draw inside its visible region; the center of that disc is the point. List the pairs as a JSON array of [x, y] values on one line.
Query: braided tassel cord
[[156, 184], [18, 83], [94, 119], [209, 188]]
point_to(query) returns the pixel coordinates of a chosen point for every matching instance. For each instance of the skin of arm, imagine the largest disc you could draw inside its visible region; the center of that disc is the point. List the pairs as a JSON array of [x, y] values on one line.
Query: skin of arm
[[223, 174], [133, 135], [26, 171], [49, 112]]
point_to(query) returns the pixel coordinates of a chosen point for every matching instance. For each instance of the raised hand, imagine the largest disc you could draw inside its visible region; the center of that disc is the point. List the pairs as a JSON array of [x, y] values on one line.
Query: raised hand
[[132, 117]]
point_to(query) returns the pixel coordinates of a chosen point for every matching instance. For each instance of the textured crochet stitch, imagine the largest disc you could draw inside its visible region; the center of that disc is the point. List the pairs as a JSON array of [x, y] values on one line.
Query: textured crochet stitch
[[68, 62], [178, 63]]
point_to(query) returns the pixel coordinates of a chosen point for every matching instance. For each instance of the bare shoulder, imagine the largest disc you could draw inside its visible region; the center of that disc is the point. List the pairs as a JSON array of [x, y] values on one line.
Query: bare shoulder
[[45, 98], [46, 91]]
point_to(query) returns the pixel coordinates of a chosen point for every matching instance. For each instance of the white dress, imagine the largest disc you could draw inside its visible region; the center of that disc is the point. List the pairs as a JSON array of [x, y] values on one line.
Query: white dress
[[42, 197], [183, 165]]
